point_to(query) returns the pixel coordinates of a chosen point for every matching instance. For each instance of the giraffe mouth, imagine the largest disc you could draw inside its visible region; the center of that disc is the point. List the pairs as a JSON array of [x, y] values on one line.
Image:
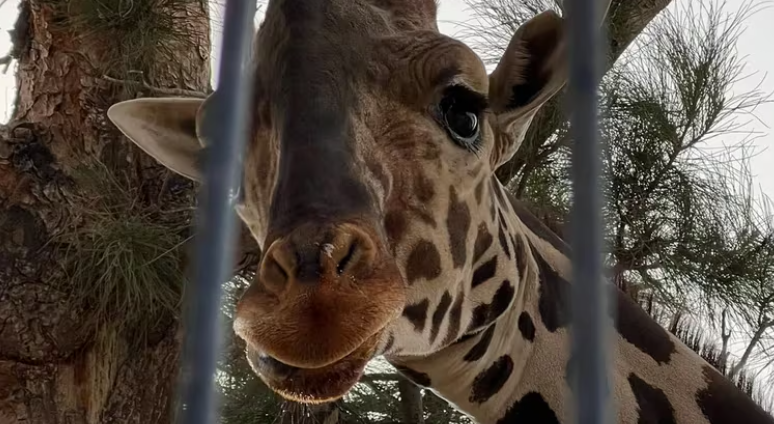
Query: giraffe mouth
[[312, 385]]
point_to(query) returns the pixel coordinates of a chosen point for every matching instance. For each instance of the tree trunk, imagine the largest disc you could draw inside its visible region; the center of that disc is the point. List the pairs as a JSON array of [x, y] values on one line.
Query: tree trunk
[[411, 402], [55, 366]]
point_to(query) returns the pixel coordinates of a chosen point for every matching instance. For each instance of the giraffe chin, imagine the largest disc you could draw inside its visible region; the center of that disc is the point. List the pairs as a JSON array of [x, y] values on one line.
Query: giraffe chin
[[312, 385]]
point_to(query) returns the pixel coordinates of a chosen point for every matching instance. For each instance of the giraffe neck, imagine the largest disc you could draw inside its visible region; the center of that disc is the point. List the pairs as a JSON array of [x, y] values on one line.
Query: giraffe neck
[[518, 370], [481, 374]]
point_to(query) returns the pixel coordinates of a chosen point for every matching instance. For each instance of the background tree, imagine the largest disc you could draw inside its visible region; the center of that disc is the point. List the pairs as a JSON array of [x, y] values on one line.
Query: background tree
[[686, 229], [494, 22], [91, 228]]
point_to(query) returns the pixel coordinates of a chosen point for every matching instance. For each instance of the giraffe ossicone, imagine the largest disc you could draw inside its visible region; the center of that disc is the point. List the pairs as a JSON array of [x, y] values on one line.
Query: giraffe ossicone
[[369, 184]]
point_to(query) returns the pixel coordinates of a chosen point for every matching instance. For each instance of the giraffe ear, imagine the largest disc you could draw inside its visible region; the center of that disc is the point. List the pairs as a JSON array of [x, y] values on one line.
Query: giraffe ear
[[166, 128], [530, 72]]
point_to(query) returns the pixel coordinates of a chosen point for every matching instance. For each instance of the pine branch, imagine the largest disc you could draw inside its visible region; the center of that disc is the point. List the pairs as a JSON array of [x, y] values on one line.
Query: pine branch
[[159, 90]]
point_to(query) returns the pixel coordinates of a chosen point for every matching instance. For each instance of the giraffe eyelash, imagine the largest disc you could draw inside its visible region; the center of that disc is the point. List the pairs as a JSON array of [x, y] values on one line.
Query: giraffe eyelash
[[459, 112]]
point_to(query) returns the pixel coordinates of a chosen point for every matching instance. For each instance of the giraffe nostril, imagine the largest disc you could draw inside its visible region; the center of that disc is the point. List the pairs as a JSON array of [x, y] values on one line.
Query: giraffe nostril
[[278, 267], [352, 250], [304, 258], [350, 257]]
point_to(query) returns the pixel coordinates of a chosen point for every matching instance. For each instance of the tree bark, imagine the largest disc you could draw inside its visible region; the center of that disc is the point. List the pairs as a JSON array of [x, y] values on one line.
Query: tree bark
[[54, 369], [626, 19]]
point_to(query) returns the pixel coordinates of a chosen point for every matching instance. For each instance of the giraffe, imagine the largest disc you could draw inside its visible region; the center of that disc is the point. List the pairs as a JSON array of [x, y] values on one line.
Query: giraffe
[[369, 184]]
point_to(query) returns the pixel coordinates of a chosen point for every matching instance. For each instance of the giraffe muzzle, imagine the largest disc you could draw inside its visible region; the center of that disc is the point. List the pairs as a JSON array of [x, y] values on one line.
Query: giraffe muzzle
[[313, 385], [318, 307]]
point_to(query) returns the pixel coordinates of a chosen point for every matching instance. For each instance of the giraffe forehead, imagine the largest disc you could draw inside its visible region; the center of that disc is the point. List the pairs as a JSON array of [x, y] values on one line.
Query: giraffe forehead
[[315, 52]]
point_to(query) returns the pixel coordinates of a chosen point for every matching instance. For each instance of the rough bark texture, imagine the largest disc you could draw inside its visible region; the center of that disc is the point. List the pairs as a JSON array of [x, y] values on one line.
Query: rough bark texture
[[52, 368], [626, 20]]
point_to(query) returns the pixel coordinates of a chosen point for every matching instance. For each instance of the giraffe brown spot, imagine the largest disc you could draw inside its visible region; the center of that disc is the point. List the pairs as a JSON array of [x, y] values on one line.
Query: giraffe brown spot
[[423, 188], [424, 261], [417, 314], [653, 404], [501, 218], [554, 292], [416, 377], [532, 408], [485, 314], [504, 242], [378, 170], [484, 272], [526, 326], [498, 191], [422, 214], [723, 403], [479, 191], [479, 349], [395, 225], [483, 241], [390, 342], [455, 316], [458, 223], [465, 337], [521, 255], [639, 329], [438, 315], [537, 227], [431, 154], [631, 321], [490, 381]]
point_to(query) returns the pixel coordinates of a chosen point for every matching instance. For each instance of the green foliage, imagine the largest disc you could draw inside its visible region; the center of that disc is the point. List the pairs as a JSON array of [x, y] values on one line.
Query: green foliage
[[245, 398], [684, 222], [124, 264]]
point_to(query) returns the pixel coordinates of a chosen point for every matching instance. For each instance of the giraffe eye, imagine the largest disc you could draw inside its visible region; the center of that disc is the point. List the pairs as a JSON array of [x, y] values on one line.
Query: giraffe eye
[[459, 114]]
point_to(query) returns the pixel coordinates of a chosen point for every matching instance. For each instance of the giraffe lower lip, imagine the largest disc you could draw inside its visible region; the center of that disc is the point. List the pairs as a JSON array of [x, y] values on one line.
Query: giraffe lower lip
[[309, 385]]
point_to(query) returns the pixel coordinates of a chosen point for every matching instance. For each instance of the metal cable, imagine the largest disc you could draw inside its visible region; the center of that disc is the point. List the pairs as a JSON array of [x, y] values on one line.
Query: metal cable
[[591, 322], [226, 125]]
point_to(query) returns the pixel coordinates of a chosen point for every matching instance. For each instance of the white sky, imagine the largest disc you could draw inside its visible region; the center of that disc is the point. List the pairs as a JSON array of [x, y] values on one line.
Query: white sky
[[752, 47]]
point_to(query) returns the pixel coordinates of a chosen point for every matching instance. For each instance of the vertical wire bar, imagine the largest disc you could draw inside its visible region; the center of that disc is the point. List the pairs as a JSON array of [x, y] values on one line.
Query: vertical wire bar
[[226, 125], [590, 310]]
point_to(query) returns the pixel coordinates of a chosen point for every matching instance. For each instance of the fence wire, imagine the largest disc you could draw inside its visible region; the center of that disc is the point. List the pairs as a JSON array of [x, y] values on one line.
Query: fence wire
[[590, 380], [226, 125]]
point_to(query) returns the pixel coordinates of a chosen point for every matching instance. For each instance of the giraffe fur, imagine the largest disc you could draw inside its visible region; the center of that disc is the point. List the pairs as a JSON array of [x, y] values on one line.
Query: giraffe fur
[[369, 184]]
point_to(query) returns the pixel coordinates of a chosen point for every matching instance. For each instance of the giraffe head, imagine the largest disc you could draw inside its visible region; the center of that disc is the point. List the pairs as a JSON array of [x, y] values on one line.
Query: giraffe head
[[367, 181]]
